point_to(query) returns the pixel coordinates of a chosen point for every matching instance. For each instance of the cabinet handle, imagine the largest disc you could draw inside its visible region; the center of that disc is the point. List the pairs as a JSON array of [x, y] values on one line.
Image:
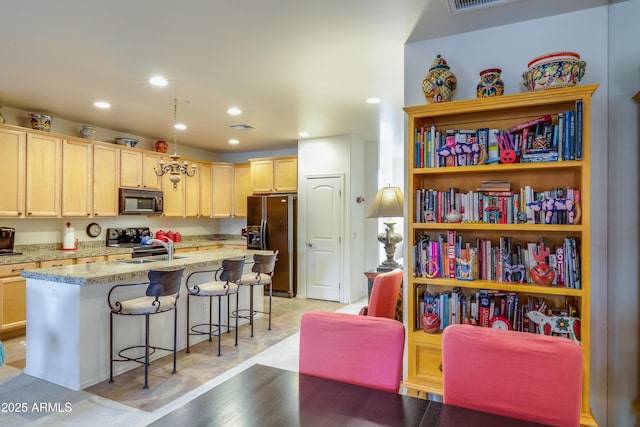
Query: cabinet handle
[[13, 270], [29, 213], [88, 214]]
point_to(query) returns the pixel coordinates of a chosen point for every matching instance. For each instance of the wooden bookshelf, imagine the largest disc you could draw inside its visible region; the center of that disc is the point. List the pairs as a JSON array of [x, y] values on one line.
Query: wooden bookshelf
[[424, 350]]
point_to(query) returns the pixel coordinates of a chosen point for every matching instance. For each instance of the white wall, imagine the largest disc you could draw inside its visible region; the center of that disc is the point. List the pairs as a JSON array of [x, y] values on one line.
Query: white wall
[[624, 82], [335, 155], [510, 48]]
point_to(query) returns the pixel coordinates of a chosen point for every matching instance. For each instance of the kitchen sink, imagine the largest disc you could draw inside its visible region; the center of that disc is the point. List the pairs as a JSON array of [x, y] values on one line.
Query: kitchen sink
[[139, 261], [166, 257]]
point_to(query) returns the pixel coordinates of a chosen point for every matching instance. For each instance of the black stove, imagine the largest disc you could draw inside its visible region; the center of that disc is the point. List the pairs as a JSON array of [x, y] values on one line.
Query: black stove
[[131, 237]]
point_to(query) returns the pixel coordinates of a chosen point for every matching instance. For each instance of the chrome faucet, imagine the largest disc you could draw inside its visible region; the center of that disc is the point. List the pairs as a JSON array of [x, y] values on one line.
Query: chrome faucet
[[168, 245]]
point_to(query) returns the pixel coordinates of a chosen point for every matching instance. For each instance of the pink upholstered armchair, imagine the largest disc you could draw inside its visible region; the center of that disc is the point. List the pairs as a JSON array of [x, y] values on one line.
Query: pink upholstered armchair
[[385, 293], [360, 350], [521, 375]]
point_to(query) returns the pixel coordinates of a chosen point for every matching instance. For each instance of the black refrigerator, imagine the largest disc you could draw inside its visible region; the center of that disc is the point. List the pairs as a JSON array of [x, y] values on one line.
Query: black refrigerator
[[271, 225]]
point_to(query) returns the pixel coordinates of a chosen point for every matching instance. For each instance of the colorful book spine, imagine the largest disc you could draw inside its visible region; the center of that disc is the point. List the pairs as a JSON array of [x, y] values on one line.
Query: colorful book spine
[[566, 147], [579, 130]]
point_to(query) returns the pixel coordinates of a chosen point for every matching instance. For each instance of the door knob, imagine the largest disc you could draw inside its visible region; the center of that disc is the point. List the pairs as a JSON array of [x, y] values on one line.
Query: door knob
[[309, 244]]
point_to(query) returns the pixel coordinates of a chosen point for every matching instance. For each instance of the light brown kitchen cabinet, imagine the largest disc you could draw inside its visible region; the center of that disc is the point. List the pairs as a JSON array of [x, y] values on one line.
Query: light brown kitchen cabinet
[[206, 201], [173, 197], [77, 178], [274, 175], [12, 173], [192, 193], [185, 250], [119, 257], [90, 259], [56, 263], [106, 172], [13, 298], [43, 175], [137, 169], [222, 190], [241, 188]]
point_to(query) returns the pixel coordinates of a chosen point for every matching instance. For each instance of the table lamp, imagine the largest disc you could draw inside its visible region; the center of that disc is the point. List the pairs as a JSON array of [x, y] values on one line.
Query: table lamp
[[388, 203]]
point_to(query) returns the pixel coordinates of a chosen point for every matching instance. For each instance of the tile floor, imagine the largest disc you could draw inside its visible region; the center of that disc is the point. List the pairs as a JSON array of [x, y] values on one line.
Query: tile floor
[[127, 403]]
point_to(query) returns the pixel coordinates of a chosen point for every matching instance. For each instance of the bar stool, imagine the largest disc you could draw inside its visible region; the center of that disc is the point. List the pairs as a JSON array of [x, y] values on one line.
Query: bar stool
[[161, 296], [225, 283], [261, 275]]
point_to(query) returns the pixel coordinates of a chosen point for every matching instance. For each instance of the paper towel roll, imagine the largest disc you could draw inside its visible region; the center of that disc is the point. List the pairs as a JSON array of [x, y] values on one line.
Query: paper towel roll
[[69, 241]]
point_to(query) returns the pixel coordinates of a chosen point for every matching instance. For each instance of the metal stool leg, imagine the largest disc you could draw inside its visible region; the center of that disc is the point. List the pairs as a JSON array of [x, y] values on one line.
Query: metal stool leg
[[188, 312], [270, 292], [251, 308], [219, 321], [111, 347], [237, 299], [175, 337], [211, 321], [146, 350]]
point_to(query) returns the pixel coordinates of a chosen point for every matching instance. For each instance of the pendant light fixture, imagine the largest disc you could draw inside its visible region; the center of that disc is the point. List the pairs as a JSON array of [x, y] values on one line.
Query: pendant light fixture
[[175, 169]]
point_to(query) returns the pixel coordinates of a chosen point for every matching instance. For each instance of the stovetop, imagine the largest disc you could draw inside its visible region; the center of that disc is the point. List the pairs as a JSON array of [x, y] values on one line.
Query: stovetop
[[8, 252], [130, 237]]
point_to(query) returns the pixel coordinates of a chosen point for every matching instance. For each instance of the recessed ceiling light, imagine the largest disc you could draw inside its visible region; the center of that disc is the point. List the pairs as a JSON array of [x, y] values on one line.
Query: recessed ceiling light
[[102, 104], [234, 142], [158, 81], [234, 111], [303, 134], [373, 100], [180, 126]]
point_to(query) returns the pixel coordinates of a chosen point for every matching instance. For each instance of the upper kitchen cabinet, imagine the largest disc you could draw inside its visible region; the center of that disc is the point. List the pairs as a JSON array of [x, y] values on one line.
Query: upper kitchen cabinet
[[12, 175], [222, 190], [241, 188], [137, 169], [192, 192], [77, 178], [43, 175], [206, 202], [274, 175], [106, 173]]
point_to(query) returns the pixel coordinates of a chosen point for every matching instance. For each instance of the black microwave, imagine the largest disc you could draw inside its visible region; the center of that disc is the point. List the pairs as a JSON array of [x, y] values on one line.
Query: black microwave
[[140, 202]]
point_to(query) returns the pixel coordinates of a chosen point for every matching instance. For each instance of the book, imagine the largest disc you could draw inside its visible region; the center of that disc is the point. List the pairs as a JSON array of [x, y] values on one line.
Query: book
[[578, 130], [566, 144], [572, 136], [533, 122], [451, 253]]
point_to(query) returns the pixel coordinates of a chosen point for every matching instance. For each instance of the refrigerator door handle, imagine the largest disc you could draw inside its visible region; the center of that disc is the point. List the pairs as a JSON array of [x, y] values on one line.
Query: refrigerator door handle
[[263, 234]]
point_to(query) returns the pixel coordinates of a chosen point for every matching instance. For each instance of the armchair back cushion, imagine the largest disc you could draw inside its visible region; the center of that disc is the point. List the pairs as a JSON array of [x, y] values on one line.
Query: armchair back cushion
[[385, 294]]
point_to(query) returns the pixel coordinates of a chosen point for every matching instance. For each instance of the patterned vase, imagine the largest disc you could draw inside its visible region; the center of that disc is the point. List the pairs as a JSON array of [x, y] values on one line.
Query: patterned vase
[[439, 83], [88, 132], [490, 83]]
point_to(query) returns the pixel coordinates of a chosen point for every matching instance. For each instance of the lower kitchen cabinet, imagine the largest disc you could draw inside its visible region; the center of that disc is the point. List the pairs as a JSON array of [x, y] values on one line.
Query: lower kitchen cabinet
[[13, 298]]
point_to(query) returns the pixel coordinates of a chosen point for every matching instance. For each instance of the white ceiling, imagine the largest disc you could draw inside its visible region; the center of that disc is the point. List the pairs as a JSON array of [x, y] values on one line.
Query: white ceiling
[[290, 65]]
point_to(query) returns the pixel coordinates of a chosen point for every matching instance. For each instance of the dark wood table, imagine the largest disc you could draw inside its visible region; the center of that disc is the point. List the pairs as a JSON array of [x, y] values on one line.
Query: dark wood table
[[266, 396]]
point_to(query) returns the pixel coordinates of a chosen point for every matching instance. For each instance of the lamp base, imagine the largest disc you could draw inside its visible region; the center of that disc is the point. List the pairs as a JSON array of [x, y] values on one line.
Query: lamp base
[[385, 268]]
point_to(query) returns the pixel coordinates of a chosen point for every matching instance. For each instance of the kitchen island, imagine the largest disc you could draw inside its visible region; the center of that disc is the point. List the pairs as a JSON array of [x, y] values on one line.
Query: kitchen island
[[68, 315]]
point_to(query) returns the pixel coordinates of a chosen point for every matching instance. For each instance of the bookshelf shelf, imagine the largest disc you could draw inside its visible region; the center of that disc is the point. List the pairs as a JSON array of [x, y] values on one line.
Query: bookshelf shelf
[[424, 350]]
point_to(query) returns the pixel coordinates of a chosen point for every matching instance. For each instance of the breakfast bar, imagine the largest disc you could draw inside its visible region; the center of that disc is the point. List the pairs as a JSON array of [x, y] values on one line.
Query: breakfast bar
[[68, 316]]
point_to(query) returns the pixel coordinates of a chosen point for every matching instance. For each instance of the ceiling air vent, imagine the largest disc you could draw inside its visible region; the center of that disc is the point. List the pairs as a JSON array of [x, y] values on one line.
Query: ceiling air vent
[[459, 6], [241, 126]]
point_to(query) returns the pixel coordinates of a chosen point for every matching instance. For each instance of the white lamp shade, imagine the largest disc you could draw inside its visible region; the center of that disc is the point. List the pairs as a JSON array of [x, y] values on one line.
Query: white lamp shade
[[388, 203]]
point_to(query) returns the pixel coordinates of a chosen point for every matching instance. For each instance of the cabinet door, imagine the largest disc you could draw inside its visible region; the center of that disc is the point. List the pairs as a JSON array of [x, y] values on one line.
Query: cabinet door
[[130, 168], [206, 201], [241, 188], [192, 194], [262, 176], [150, 179], [222, 194], [173, 197], [77, 177], [89, 259], [12, 174], [285, 175], [13, 296], [106, 170], [44, 166]]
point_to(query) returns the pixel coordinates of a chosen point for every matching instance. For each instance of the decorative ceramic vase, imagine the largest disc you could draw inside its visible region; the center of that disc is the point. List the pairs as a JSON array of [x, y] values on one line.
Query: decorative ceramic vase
[[88, 132], [440, 83], [558, 69], [161, 146], [490, 83], [40, 121]]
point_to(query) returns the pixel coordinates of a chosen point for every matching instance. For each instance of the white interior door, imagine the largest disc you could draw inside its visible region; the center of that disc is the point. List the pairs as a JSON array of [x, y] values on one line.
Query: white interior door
[[324, 213]]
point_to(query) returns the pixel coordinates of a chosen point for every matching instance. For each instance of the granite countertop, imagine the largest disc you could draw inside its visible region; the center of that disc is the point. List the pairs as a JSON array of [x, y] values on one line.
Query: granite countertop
[[35, 253], [119, 271]]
